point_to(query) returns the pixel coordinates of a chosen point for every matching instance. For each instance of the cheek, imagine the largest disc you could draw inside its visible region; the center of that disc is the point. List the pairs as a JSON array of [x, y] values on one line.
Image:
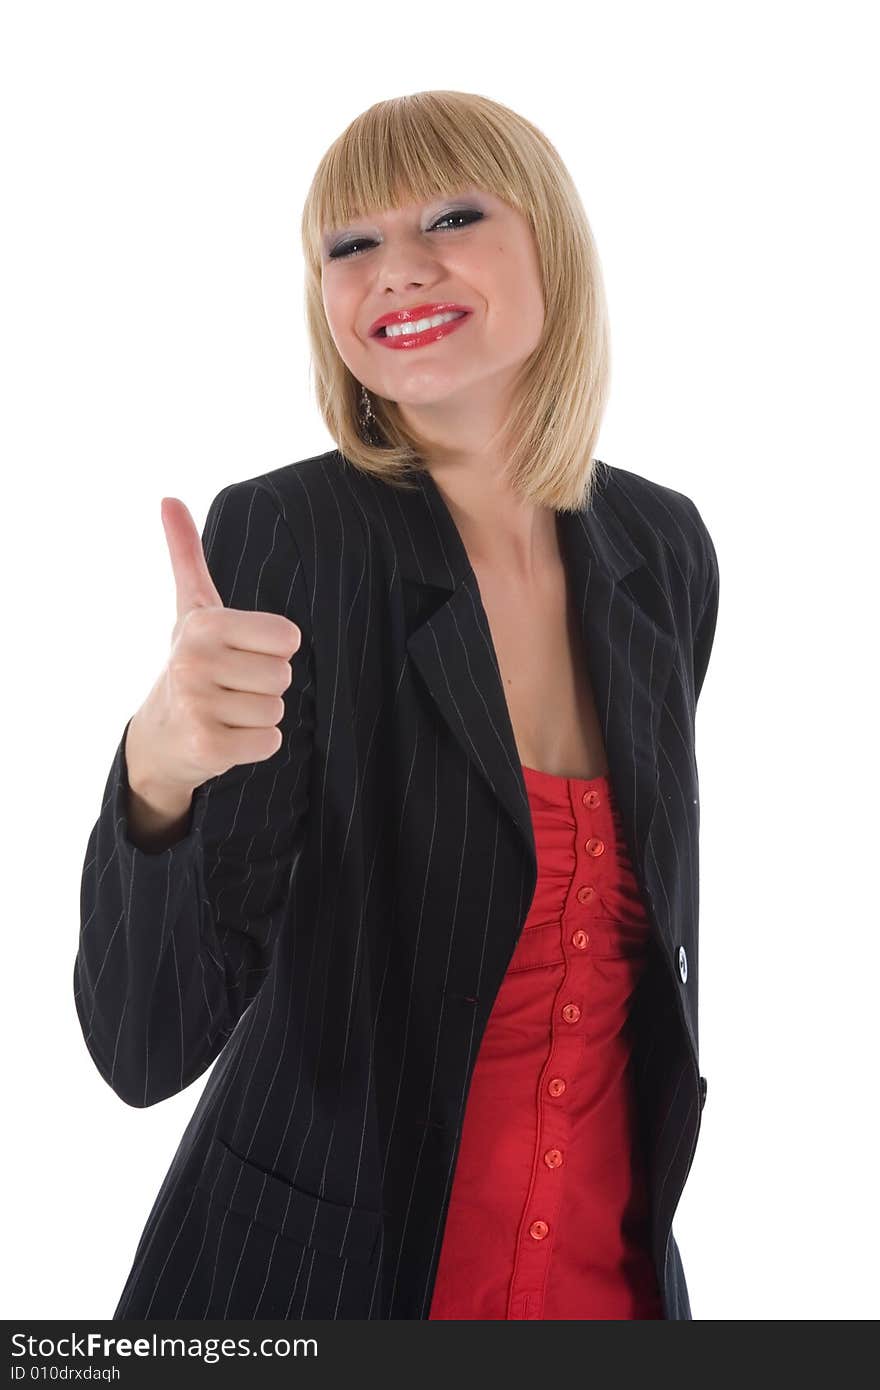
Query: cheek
[[530, 312], [333, 312], [341, 316], [514, 288], [516, 314], [338, 304]]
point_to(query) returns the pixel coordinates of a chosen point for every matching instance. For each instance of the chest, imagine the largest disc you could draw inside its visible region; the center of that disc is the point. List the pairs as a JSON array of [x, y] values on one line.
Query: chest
[[544, 674]]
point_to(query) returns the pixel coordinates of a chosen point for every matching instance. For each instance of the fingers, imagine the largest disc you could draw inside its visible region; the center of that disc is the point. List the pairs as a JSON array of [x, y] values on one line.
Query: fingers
[[192, 578], [269, 633]]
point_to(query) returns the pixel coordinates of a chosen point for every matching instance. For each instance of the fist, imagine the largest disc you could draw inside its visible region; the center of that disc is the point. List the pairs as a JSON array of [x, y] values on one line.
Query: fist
[[218, 700]]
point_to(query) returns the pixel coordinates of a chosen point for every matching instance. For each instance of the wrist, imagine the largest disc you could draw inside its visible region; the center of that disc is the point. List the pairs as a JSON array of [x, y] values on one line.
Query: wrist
[[153, 796]]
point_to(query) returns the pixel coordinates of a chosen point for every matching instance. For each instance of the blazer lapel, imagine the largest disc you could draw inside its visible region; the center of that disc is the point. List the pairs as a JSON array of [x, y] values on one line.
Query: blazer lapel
[[626, 625]]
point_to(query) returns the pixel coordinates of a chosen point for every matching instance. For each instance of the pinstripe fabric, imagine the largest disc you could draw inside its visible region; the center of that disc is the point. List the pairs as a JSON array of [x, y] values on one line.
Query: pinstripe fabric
[[336, 921]]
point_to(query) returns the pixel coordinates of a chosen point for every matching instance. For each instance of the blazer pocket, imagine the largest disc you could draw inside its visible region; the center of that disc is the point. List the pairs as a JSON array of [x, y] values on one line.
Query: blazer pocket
[[269, 1200]]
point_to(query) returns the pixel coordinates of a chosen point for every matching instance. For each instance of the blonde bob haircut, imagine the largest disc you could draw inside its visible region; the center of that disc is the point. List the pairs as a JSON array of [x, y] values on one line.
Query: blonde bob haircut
[[428, 144]]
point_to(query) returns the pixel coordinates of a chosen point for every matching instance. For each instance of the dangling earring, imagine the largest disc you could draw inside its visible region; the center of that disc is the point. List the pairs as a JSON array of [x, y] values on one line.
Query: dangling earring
[[366, 412]]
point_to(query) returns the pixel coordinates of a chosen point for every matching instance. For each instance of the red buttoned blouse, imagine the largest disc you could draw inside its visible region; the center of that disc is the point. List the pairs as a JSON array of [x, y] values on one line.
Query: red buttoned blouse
[[549, 1209]]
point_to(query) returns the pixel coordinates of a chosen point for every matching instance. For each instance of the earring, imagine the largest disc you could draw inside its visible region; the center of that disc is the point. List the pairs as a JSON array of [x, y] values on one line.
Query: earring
[[367, 418]]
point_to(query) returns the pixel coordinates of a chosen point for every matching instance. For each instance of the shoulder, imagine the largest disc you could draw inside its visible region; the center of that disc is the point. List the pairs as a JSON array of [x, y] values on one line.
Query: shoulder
[[652, 509], [313, 496], [653, 512], [303, 486]]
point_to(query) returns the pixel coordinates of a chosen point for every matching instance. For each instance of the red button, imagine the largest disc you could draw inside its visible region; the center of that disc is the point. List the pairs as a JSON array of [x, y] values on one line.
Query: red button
[[556, 1086], [594, 846], [571, 1013], [538, 1229], [553, 1158], [591, 798], [580, 940], [585, 893]]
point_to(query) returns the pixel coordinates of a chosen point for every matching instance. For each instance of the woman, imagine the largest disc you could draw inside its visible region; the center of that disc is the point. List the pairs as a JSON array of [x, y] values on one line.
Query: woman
[[440, 928]]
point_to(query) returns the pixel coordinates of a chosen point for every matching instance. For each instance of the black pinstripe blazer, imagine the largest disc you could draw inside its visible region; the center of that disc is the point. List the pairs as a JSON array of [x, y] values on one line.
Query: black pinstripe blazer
[[336, 921]]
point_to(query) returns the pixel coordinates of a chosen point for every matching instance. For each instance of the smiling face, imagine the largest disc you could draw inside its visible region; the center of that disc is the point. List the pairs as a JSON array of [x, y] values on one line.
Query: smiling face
[[473, 250]]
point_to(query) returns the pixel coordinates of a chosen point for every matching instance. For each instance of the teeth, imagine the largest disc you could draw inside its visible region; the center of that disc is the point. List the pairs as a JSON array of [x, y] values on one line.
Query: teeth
[[399, 330]]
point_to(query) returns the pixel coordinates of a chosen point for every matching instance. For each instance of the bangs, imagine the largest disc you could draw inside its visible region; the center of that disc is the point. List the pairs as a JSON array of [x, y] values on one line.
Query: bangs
[[402, 151]]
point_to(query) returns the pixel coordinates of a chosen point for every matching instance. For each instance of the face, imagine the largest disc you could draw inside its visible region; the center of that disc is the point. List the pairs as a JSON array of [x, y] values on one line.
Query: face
[[471, 250]]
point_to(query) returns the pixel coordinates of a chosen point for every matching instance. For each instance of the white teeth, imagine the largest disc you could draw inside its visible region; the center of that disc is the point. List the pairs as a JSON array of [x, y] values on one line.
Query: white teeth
[[398, 330]]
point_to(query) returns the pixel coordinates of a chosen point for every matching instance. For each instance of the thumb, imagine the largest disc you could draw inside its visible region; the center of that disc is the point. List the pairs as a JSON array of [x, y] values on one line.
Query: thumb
[[192, 578]]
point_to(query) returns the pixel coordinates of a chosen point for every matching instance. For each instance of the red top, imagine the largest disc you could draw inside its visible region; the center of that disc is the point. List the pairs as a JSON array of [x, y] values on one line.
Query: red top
[[549, 1209]]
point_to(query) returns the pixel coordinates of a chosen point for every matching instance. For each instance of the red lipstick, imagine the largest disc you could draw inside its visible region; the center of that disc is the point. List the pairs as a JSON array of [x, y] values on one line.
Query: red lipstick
[[412, 315], [416, 312]]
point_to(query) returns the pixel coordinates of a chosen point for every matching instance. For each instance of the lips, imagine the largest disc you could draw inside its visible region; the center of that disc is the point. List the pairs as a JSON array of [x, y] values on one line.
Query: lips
[[422, 339], [416, 312]]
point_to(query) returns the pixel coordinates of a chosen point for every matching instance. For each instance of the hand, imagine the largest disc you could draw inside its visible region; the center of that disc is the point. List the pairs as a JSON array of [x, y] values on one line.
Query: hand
[[218, 700]]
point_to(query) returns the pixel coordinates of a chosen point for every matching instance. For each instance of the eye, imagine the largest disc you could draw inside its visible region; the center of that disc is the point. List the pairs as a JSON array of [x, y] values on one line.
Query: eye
[[470, 213], [344, 250]]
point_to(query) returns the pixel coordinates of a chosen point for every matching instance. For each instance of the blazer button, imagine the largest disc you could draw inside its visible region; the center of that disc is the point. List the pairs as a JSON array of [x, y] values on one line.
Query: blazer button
[[682, 964], [556, 1086], [594, 846], [585, 893], [571, 1013], [580, 940], [591, 798], [553, 1158], [538, 1229]]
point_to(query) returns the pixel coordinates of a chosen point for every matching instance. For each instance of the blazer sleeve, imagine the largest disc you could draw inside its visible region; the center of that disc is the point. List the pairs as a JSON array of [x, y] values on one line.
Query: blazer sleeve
[[175, 944], [704, 603]]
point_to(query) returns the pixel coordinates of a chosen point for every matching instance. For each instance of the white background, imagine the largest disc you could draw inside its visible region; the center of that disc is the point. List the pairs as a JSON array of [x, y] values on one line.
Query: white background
[[154, 162]]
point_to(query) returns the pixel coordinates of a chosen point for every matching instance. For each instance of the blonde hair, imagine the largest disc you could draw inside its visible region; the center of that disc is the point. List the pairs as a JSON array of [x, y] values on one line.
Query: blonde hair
[[425, 144]]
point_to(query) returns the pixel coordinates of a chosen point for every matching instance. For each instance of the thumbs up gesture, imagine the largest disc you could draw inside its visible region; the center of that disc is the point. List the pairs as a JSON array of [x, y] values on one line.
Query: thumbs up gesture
[[218, 700]]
